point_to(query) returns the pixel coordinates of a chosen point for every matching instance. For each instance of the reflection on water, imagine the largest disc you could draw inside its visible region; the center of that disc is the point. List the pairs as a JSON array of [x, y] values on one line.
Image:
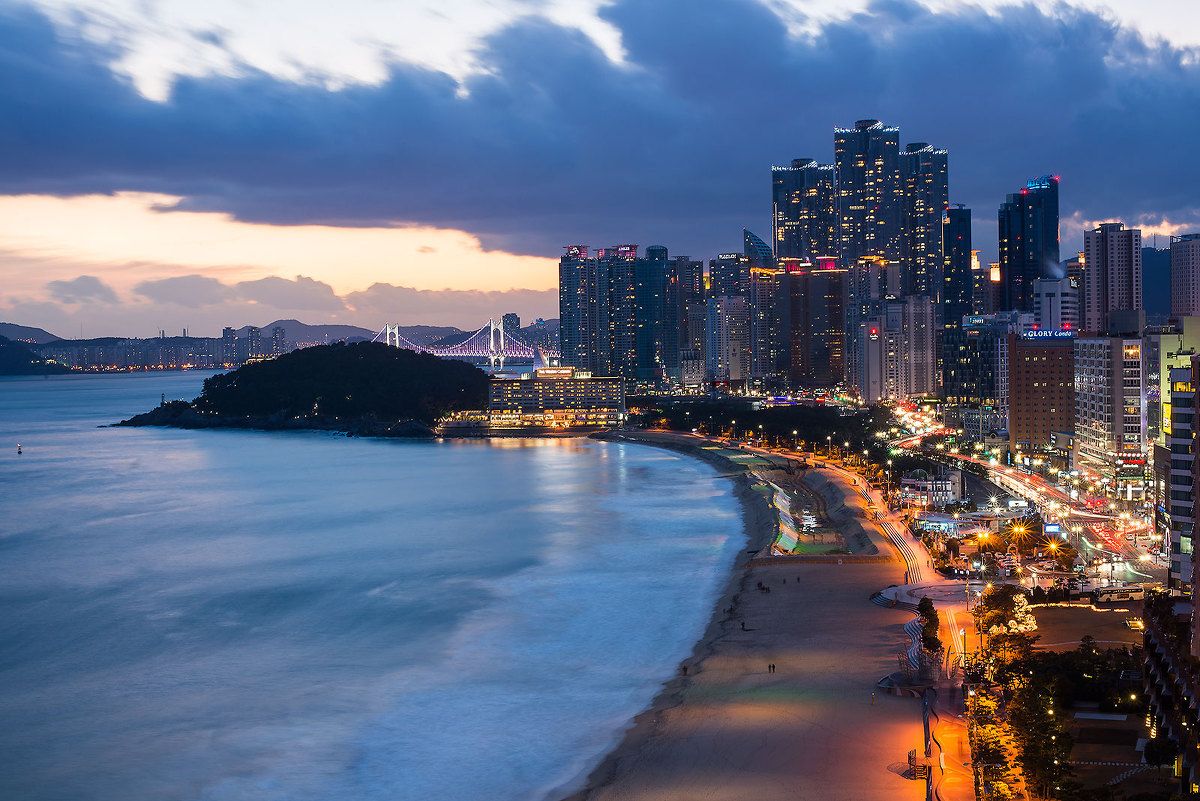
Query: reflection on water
[[244, 615]]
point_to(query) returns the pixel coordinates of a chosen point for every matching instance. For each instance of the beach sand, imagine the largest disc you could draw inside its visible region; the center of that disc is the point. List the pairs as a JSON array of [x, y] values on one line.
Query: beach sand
[[811, 730]]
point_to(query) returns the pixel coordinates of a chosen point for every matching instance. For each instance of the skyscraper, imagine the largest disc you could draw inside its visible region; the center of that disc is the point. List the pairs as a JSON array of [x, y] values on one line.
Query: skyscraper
[[870, 281], [618, 266], [804, 210], [757, 252], [765, 339], [1028, 227], [870, 191], [684, 289], [650, 319], [925, 177], [582, 310], [727, 349], [957, 279], [1185, 275], [898, 354], [1112, 274], [729, 275]]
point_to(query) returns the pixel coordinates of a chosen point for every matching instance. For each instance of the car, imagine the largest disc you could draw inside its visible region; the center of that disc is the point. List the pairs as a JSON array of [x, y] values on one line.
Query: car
[[1135, 623]]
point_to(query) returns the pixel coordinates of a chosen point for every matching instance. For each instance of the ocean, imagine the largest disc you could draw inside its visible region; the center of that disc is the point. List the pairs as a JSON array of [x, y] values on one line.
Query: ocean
[[228, 615]]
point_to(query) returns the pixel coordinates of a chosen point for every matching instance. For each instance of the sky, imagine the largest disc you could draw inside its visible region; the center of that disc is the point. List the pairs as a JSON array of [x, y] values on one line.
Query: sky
[[174, 163]]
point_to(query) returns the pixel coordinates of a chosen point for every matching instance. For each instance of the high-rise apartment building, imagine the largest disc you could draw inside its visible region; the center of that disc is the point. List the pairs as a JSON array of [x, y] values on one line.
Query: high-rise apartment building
[[957, 281], [1112, 274], [869, 282], [1028, 226], [582, 311], [1110, 414], [870, 191], [925, 177], [1185, 275], [684, 286], [278, 341], [727, 339], [650, 276], [618, 265], [813, 322], [804, 210], [1041, 387], [729, 275], [1181, 452], [898, 352], [767, 344]]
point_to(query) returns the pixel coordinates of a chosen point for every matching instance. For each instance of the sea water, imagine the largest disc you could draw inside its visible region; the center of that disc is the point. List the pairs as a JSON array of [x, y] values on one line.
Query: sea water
[[234, 615]]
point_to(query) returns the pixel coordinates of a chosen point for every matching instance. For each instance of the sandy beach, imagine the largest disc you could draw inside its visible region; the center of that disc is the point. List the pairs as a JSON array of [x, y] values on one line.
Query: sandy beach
[[813, 729]]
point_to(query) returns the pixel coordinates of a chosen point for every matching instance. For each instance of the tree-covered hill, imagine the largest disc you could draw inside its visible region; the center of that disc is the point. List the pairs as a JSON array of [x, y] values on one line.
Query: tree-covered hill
[[16, 359], [365, 387]]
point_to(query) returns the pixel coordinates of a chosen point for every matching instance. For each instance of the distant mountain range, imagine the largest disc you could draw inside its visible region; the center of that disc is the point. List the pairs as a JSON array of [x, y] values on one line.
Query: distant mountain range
[[25, 333], [307, 334]]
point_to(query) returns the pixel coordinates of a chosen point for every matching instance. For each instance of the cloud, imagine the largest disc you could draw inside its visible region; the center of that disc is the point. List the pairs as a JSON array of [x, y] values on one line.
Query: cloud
[[553, 142], [300, 293], [84, 289], [469, 309], [205, 304], [192, 291]]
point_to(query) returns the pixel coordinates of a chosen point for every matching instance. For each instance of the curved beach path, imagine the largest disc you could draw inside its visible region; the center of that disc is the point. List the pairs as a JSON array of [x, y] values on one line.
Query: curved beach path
[[815, 728]]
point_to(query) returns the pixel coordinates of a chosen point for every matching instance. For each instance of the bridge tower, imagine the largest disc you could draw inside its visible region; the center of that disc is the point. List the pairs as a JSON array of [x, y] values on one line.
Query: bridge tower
[[495, 346], [392, 335]]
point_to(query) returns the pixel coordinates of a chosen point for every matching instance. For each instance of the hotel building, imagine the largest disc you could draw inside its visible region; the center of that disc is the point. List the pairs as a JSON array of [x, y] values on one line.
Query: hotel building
[[556, 398]]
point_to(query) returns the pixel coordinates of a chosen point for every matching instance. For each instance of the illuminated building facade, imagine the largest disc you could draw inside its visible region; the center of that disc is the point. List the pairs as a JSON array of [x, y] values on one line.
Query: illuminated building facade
[[957, 283], [1113, 274], [729, 275], [869, 282], [727, 340], [898, 351], [1110, 414], [1028, 226], [870, 191], [556, 398], [1040, 387], [812, 302], [1056, 304], [925, 177], [1181, 503], [766, 340], [804, 210], [651, 324]]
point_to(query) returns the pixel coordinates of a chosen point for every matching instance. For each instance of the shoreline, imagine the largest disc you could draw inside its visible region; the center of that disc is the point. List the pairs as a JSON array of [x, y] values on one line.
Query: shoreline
[[760, 523], [722, 731]]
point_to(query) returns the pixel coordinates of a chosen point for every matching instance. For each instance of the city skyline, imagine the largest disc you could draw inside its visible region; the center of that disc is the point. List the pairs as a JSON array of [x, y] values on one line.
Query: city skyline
[[168, 213]]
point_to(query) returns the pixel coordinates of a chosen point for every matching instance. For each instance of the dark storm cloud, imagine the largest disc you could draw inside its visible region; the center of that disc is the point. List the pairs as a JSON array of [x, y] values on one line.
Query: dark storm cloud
[[556, 144], [84, 289]]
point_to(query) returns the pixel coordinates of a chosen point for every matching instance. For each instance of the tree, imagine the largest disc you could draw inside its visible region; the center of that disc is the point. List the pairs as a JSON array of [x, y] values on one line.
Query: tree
[[1160, 751]]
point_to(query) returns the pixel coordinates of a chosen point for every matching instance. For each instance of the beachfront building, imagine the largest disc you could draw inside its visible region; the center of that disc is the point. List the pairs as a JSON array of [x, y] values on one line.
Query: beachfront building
[[927, 491], [556, 398]]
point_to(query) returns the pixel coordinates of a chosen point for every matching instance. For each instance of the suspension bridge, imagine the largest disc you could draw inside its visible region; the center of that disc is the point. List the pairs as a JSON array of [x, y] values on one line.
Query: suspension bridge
[[491, 342]]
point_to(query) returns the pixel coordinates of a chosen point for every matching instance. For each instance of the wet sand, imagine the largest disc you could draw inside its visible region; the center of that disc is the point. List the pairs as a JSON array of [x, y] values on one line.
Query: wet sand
[[812, 730]]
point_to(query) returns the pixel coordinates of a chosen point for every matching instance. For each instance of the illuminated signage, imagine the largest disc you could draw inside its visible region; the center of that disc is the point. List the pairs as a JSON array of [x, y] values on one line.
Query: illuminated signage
[[1048, 333], [1052, 528]]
